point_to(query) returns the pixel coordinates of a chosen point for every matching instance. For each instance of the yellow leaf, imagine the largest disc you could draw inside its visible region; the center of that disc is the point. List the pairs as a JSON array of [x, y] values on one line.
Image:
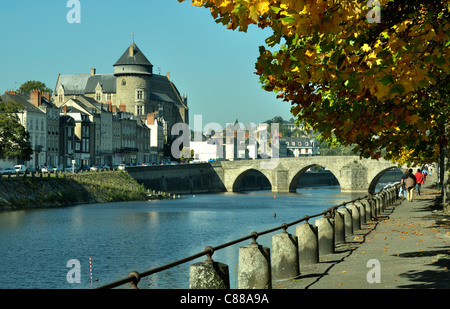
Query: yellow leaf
[[309, 53], [366, 48]]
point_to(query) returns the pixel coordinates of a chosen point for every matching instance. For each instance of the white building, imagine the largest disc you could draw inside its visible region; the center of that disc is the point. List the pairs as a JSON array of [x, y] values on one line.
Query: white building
[[35, 122]]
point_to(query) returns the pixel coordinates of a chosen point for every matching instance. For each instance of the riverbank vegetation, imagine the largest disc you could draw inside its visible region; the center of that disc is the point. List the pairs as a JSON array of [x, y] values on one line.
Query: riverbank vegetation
[[70, 189]]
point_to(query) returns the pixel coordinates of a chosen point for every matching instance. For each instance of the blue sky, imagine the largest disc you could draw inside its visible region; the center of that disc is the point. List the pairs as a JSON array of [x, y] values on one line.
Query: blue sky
[[213, 66]]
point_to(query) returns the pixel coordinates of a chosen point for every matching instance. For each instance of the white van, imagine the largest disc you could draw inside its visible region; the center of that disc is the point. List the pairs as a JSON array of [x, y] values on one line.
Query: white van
[[20, 169]]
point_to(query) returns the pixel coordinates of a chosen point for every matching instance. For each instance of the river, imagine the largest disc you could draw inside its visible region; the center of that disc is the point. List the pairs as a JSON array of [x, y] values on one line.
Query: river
[[114, 238]]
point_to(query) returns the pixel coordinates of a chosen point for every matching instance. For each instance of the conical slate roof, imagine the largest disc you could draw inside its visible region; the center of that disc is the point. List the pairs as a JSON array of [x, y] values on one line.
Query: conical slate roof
[[137, 58]]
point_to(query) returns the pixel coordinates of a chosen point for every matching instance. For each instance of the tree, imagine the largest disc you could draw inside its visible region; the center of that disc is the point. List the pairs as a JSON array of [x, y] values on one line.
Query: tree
[[374, 74], [34, 85], [14, 139]]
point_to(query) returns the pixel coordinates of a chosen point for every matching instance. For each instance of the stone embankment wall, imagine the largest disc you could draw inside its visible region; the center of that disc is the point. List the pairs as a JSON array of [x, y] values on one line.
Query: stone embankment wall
[[68, 189]]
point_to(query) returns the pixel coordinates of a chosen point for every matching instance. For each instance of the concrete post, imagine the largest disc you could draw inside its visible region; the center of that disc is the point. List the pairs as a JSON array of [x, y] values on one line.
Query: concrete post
[[339, 226], [362, 213], [325, 232], [308, 244], [348, 225], [209, 275], [368, 209], [356, 222], [254, 270], [284, 256]]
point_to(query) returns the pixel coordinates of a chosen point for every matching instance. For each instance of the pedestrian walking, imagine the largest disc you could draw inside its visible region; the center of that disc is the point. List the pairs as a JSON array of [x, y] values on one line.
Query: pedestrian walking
[[402, 184], [410, 184], [420, 179]]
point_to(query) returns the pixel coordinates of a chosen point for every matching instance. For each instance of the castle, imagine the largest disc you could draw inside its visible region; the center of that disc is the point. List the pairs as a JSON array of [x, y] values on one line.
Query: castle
[[132, 88]]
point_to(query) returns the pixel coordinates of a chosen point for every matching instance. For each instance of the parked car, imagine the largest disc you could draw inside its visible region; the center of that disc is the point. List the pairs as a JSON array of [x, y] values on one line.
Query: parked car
[[94, 168], [122, 167], [44, 169], [8, 171], [20, 169], [31, 169]]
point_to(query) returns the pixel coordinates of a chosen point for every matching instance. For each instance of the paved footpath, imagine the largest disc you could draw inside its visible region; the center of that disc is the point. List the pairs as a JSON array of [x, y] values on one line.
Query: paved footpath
[[411, 242]]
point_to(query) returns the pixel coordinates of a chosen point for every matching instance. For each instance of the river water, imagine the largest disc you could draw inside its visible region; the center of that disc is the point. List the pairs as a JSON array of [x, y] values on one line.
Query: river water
[[113, 239]]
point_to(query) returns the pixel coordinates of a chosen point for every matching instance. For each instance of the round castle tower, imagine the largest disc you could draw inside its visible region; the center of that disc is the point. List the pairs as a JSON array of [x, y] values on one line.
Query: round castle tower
[[133, 72]]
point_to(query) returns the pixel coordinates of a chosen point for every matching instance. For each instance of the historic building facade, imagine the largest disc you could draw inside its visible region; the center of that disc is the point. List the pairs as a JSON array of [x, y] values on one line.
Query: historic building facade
[[132, 88]]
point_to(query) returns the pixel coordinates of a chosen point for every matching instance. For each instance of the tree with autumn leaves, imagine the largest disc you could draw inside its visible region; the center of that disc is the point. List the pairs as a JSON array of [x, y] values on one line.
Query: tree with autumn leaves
[[369, 74]]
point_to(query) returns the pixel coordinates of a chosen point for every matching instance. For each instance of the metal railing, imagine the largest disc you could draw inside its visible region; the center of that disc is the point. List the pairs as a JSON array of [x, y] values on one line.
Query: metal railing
[[134, 277]]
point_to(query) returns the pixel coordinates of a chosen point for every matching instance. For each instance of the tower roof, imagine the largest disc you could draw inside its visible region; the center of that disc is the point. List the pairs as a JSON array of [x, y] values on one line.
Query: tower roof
[[133, 56]]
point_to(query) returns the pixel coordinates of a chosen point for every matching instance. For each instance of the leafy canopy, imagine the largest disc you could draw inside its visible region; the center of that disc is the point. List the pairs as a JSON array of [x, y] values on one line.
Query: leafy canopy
[[14, 139], [372, 76]]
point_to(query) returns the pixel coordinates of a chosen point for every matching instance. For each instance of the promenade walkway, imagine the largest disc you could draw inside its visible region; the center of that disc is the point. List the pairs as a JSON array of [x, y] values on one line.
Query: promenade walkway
[[411, 241]]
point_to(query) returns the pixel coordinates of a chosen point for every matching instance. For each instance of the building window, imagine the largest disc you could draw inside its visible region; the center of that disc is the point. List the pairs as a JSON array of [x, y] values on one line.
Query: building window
[[139, 110], [124, 82], [98, 96], [139, 95], [299, 143]]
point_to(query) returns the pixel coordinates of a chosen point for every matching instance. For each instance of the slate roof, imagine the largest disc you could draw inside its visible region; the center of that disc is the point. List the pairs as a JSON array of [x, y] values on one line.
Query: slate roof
[[22, 101], [107, 81], [138, 58]]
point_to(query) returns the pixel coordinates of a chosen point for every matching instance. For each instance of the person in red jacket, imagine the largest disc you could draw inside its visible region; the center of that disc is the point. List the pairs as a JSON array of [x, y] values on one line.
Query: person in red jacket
[[420, 180]]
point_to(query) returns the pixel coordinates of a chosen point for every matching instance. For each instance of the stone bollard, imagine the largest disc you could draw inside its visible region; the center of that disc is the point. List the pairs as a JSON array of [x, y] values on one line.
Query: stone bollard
[[284, 256], [368, 209], [325, 233], [348, 223], [308, 244], [254, 270], [209, 275], [356, 222], [362, 213], [339, 226]]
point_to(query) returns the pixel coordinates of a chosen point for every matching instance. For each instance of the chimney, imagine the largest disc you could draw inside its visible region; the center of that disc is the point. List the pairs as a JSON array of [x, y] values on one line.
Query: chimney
[[109, 107], [65, 110], [151, 119], [114, 109], [10, 91], [46, 95], [93, 70], [122, 107], [35, 97], [131, 50]]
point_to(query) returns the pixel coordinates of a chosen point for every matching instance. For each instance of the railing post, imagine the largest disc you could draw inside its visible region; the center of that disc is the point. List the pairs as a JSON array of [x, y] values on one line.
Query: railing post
[[339, 226], [362, 212], [284, 256], [254, 270], [135, 278], [209, 274], [325, 232], [308, 244], [356, 221]]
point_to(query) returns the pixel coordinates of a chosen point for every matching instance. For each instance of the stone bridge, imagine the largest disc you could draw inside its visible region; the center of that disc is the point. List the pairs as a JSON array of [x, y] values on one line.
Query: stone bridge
[[353, 174]]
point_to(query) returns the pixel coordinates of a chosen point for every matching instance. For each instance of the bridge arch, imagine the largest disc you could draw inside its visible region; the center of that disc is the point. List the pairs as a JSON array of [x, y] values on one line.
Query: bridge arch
[[373, 183], [293, 183], [237, 184]]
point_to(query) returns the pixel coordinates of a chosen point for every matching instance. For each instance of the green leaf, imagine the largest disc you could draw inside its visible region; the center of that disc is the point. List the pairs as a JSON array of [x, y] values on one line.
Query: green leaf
[[397, 88], [288, 19], [386, 80], [275, 9]]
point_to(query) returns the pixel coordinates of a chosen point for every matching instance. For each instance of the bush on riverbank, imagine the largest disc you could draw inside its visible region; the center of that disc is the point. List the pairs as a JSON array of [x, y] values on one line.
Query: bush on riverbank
[[93, 187]]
